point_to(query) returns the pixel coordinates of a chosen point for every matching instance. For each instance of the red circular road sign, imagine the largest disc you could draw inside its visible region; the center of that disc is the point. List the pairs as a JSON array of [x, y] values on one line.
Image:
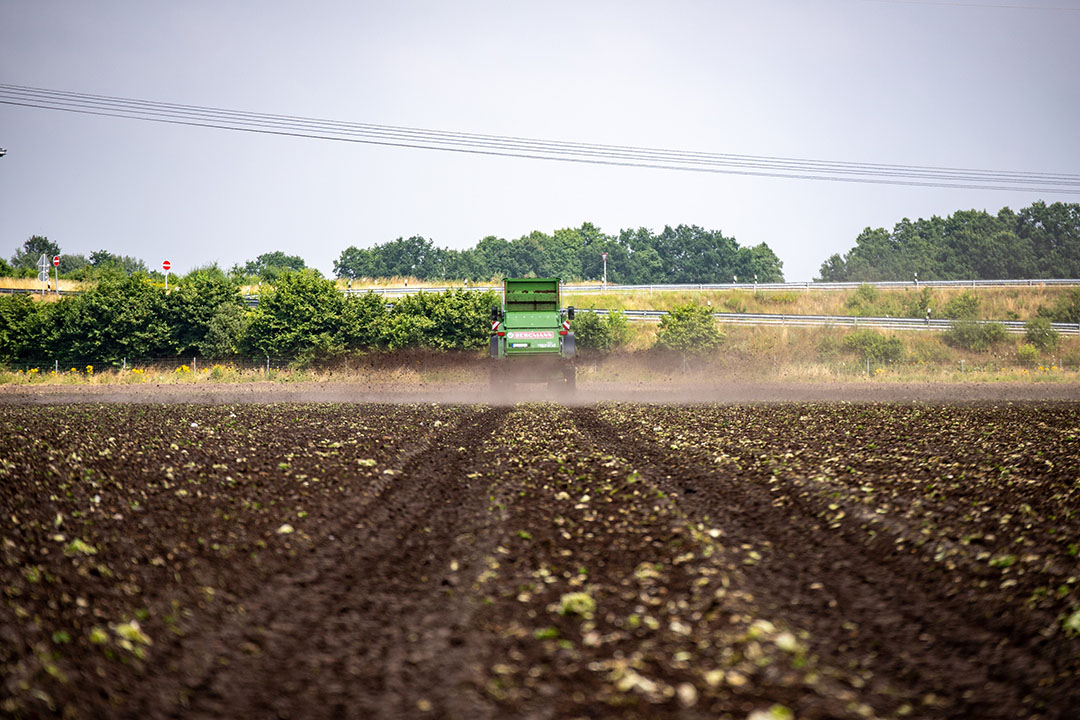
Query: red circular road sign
[[56, 260], [166, 266]]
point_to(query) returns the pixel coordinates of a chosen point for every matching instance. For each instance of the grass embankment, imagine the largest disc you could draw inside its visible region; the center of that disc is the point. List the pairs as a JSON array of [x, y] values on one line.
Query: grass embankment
[[994, 303], [824, 353], [35, 285]]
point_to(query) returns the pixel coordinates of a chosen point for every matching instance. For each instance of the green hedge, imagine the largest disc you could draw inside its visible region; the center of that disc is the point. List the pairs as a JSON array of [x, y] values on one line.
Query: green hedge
[[303, 317]]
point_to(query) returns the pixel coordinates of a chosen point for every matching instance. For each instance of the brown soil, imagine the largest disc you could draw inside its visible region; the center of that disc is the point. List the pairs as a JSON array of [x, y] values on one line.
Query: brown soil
[[586, 394], [404, 560]]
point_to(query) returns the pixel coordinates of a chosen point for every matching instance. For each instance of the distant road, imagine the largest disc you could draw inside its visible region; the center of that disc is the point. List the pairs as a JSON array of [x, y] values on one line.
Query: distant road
[[884, 323]]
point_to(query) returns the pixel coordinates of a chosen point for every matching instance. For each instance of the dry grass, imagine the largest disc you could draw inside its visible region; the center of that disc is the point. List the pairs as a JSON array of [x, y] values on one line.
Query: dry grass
[[995, 303], [34, 284]]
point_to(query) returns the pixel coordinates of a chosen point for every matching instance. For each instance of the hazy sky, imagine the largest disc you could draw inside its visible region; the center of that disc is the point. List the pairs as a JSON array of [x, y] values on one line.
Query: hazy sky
[[975, 85]]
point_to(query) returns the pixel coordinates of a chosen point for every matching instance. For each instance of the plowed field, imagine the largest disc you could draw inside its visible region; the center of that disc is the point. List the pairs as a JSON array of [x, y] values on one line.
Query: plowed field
[[540, 561]]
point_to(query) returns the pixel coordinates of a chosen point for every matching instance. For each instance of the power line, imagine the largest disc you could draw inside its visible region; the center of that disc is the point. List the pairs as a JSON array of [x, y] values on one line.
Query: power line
[[996, 6], [536, 149]]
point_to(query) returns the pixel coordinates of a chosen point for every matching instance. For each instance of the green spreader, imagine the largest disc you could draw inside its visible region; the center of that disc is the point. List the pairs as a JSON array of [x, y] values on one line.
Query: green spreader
[[531, 338]]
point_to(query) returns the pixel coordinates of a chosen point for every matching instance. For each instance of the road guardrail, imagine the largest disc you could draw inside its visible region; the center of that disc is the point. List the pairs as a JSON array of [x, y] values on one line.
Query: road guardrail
[[853, 321]]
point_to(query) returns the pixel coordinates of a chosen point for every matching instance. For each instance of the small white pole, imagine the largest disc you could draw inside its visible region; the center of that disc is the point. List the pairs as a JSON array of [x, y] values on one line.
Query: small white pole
[[195, 364], [267, 364]]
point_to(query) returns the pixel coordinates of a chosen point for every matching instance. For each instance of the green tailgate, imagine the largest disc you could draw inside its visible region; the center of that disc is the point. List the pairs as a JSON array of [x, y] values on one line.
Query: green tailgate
[[532, 321]]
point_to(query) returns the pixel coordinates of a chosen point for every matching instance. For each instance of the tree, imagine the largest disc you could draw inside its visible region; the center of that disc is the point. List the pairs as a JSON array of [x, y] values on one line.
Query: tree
[[269, 265], [355, 263], [73, 263], [362, 320], [1039, 241], [682, 254], [120, 317], [688, 330], [195, 300], [451, 320], [225, 332], [602, 333], [103, 258], [15, 314], [26, 257], [1041, 334], [299, 318]]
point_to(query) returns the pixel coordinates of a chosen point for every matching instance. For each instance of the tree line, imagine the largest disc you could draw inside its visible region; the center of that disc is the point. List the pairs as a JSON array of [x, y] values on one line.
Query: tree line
[[302, 317], [1040, 241], [683, 254]]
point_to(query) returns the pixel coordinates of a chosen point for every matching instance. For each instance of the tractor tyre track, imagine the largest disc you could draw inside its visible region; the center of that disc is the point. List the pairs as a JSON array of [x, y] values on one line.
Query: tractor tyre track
[[356, 628], [869, 607]]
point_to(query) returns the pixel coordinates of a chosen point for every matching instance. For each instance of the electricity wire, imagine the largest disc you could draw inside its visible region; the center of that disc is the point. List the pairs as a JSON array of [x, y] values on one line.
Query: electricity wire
[[536, 149], [996, 6]]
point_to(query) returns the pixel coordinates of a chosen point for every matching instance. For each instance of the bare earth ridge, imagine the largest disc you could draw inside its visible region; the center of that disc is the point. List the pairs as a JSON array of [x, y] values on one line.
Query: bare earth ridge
[[587, 393]]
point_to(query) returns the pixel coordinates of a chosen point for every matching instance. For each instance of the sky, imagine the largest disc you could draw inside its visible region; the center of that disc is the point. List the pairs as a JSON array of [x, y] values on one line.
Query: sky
[[987, 85]]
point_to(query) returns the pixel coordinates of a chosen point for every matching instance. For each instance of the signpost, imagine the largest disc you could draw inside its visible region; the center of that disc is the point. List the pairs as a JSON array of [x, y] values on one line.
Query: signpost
[[604, 286], [43, 272], [56, 264], [166, 266]]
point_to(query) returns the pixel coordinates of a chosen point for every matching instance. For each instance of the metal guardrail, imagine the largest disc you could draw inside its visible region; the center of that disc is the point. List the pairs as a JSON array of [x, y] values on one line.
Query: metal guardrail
[[852, 321], [19, 291], [252, 299], [686, 287]]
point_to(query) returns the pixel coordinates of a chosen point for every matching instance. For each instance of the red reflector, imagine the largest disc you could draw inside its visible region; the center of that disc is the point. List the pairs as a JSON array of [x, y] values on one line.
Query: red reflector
[[562, 332], [500, 333]]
